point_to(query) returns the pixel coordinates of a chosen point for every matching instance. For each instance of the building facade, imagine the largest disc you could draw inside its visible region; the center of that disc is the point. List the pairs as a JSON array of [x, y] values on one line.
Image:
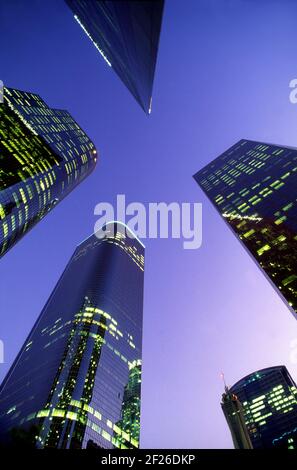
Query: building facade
[[254, 188], [126, 34], [269, 402], [76, 382], [44, 155]]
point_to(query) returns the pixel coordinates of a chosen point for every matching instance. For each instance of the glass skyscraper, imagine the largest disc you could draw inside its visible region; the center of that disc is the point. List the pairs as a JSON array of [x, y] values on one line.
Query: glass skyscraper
[[234, 415], [254, 188], [44, 155], [269, 402], [76, 382], [126, 33]]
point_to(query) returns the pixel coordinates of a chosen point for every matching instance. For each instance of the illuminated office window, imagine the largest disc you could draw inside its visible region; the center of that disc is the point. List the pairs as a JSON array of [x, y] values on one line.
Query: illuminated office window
[[37, 145], [77, 379]]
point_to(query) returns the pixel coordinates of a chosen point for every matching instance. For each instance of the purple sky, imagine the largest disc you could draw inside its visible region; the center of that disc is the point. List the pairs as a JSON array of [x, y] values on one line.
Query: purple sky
[[223, 74]]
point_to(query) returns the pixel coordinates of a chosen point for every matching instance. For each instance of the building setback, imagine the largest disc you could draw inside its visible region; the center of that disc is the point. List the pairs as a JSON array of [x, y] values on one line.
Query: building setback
[[254, 188], [126, 34], [76, 382], [44, 155]]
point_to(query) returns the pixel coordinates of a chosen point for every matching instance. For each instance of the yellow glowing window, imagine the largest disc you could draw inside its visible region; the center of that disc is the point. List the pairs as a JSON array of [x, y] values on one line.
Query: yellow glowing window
[[88, 408], [249, 233], [75, 403], [125, 436], [117, 429], [71, 415], [23, 195], [263, 249], [43, 413], [280, 220], [97, 415], [106, 435], [2, 212], [5, 230], [59, 413]]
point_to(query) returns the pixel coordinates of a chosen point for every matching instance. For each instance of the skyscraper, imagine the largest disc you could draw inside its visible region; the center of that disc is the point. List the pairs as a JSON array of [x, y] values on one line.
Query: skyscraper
[[76, 382], [269, 403], [44, 155], [126, 33], [254, 188], [234, 415]]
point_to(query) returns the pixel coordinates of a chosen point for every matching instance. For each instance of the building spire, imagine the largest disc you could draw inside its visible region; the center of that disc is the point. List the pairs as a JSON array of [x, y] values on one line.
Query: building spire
[[225, 385]]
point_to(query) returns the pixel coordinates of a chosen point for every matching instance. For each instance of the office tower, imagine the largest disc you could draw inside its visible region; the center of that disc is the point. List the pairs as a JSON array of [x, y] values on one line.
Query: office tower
[[76, 381], [44, 155], [254, 188], [234, 415], [130, 420], [269, 402], [126, 34]]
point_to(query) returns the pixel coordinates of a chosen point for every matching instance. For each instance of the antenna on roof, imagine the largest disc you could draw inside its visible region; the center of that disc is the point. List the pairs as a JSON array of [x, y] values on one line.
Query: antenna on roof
[[223, 378]]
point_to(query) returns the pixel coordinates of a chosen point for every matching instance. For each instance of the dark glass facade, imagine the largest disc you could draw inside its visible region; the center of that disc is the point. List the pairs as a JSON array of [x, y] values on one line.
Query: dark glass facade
[[269, 402], [235, 418], [44, 154], [126, 33], [76, 382], [254, 187]]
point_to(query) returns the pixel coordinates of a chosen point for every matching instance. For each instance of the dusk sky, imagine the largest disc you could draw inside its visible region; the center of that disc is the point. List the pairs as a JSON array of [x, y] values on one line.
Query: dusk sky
[[223, 74]]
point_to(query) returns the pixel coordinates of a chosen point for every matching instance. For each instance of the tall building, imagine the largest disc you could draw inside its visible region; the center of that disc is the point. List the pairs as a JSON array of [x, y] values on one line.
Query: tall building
[[234, 415], [130, 419], [269, 403], [126, 33], [254, 188], [44, 155], [76, 382]]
